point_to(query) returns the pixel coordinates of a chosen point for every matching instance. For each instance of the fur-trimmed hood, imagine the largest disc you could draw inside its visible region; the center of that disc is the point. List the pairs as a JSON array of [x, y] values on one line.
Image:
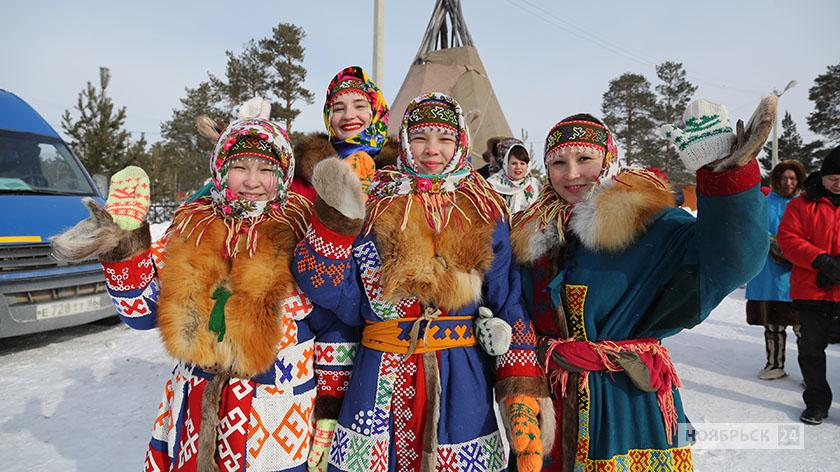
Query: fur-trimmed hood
[[614, 215]]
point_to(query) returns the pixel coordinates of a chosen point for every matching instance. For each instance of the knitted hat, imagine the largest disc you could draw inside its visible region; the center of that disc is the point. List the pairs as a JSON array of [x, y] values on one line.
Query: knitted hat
[[432, 113], [706, 134], [831, 163]]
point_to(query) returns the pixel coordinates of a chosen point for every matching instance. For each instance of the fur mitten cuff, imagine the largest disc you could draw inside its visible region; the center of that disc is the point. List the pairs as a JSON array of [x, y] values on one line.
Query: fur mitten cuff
[[98, 235], [340, 204], [750, 141], [327, 407]]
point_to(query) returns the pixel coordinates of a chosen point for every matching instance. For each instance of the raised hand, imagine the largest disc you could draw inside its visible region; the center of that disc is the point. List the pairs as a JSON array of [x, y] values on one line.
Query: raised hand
[[128, 197]]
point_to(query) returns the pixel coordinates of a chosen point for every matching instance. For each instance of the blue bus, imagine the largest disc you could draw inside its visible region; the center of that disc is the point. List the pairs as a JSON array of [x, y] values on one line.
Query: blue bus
[[42, 184]]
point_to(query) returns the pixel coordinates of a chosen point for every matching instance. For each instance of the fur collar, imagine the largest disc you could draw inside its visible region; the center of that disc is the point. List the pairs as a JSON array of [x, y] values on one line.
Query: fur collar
[[618, 211], [445, 269], [614, 215], [252, 314]]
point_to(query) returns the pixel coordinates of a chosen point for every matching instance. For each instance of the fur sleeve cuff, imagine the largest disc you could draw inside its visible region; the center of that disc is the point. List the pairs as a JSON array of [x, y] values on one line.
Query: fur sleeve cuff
[[333, 220], [728, 182], [536, 387], [327, 407], [131, 244]]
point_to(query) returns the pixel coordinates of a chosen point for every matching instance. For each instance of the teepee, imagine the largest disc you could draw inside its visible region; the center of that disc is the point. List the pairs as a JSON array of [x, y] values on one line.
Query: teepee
[[448, 62]]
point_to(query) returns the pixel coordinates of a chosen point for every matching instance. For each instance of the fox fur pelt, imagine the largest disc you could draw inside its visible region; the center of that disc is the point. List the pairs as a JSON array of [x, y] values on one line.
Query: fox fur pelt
[[252, 314], [444, 270], [611, 219]]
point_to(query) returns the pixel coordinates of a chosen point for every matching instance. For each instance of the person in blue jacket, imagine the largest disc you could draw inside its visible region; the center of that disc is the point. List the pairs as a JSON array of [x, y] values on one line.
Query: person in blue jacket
[[768, 294], [610, 268]]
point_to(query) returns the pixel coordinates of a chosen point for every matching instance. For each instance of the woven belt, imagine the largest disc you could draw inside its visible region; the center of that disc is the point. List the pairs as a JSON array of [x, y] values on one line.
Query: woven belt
[[402, 335]]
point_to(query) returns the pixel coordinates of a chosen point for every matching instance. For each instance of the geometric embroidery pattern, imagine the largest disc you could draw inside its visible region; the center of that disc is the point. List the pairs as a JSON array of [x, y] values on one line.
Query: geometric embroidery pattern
[[575, 300], [335, 354], [523, 335], [326, 248], [481, 454], [363, 447], [280, 430], [306, 262], [370, 270], [297, 305], [130, 275], [406, 442]]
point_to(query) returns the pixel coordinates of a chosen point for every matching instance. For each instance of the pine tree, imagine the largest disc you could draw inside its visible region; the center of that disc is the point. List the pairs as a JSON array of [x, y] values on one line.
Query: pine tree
[[791, 147], [284, 54], [185, 154], [825, 94], [675, 93], [247, 75], [98, 136], [629, 107]]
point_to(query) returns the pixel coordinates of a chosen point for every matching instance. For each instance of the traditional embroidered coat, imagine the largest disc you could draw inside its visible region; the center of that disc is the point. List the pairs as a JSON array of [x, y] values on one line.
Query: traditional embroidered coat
[[265, 416], [429, 410], [634, 267]]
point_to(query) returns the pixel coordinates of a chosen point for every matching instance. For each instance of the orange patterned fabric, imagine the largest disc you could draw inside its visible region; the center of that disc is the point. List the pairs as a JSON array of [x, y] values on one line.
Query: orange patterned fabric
[[385, 336]]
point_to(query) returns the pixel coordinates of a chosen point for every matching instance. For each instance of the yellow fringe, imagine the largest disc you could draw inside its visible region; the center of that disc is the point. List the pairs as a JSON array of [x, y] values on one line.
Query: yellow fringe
[[295, 214]]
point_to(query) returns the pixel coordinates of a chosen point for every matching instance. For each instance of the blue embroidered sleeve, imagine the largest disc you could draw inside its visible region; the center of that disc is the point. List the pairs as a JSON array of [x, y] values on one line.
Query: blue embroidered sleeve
[[502, 290], [326, 272]]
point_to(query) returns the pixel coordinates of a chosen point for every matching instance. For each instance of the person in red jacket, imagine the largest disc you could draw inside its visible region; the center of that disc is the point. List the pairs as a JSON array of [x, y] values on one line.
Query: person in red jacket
[[809, 236]]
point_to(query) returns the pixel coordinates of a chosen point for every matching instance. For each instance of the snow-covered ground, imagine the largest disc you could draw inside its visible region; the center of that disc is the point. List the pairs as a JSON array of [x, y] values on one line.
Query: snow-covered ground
[[85, 398]]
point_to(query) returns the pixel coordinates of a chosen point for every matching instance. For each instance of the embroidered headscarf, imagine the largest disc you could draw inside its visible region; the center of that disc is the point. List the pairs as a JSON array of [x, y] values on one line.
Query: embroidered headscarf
[[518, 193], [440, 195], [354, 79], [253, 138], [571, 134]]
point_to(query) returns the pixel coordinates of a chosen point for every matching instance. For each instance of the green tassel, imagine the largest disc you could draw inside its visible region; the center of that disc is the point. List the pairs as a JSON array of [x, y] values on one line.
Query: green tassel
[[217, 316]]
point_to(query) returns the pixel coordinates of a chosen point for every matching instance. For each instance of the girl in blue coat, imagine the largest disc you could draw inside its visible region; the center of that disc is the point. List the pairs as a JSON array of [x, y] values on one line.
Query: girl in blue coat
[[768, 294]]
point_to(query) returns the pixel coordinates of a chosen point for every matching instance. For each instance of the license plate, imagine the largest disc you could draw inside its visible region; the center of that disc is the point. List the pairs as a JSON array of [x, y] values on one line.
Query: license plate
[[69, 307]]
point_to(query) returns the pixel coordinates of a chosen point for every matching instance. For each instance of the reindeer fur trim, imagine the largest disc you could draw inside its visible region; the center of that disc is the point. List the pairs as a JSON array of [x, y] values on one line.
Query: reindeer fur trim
[[309, 151], [334, 220], [327, 407], [339, 187], [91, 237]]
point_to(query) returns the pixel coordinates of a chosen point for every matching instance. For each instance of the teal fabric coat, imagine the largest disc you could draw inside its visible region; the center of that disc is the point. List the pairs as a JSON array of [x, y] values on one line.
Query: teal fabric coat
[[668, 279]]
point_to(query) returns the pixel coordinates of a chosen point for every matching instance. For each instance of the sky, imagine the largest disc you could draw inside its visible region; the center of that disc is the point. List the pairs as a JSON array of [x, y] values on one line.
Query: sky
[[546, 59]]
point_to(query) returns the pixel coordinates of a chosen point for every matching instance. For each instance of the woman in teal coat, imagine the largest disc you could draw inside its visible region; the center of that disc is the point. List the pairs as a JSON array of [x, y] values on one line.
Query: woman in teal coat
[[610, 268]]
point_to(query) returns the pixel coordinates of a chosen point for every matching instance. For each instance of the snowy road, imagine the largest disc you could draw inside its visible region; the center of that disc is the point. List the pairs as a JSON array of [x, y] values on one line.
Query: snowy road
[[84, 398]]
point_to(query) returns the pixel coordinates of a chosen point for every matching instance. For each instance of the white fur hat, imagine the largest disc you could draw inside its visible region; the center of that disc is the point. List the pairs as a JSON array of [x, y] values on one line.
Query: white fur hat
[[705, 136], [256, 107]]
